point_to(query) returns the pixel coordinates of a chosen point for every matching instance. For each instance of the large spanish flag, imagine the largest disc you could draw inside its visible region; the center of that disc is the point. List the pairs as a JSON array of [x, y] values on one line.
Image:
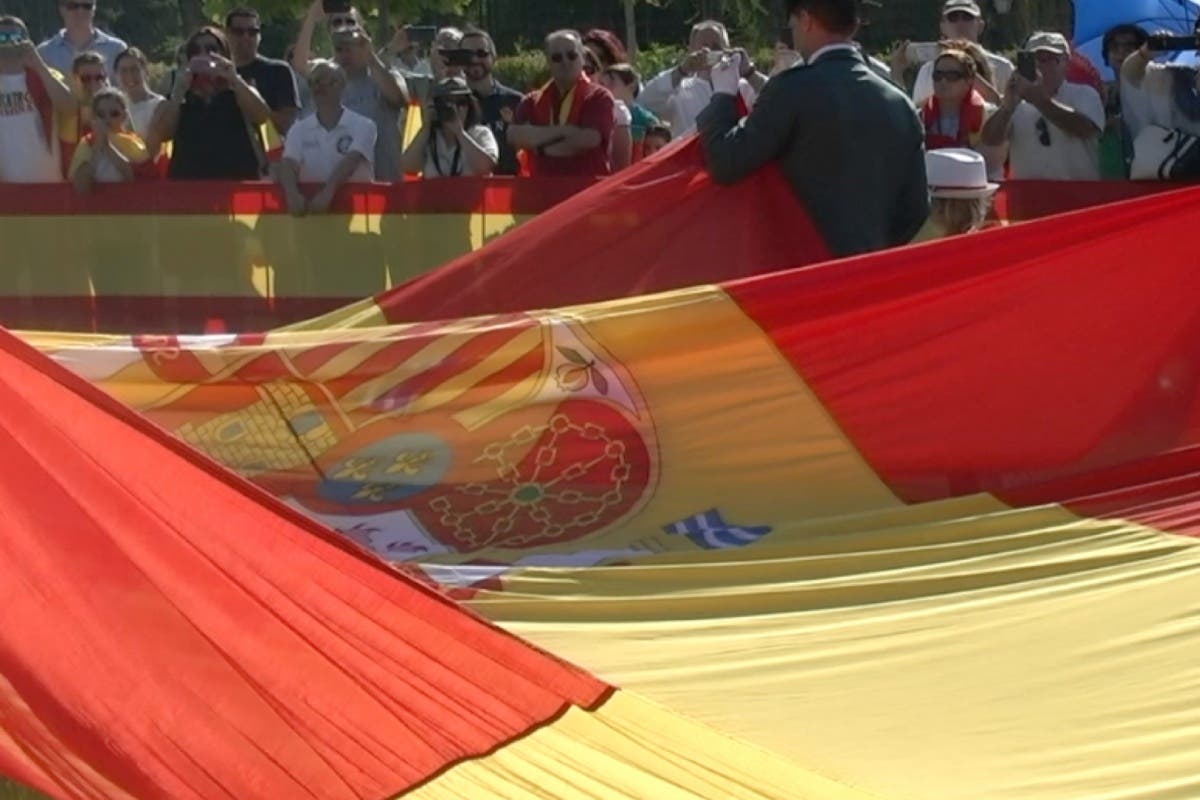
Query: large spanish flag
[[169, 630], [919, 523]]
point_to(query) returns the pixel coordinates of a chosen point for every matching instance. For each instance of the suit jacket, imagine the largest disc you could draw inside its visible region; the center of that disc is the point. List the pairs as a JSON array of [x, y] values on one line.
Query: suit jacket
[[849, 142]]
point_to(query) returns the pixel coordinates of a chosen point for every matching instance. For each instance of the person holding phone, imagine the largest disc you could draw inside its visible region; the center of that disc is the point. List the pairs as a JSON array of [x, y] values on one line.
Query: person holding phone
[[30, 95], [1173, 91], [373, 89], [212, 116], [678, 95], [1052, 126], [960, 19]]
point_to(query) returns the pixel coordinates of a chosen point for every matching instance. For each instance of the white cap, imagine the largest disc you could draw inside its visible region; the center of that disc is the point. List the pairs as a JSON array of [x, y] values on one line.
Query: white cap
[[1050, 42]]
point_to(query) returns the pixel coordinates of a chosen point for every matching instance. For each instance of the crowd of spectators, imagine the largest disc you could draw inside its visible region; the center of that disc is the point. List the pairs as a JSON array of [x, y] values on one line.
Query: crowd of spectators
[[78, 106]]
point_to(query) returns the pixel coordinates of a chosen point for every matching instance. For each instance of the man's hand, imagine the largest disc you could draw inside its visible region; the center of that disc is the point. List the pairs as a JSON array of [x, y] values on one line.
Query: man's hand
[[321, 201], [399, 42], [1034, 92], [28, 54], [696, 61], [1014, 92], [316, 10], [726, 75], [746, 62], [297, 206]]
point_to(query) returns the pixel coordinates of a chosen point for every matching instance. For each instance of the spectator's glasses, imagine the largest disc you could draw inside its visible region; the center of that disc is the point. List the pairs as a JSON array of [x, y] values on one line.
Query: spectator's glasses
[[323, 80], [959, 16], [111, 113], [245, 31], [1043, 131], [88, 78], [951, 75], [343, 22], [570, 55], [76, 6]]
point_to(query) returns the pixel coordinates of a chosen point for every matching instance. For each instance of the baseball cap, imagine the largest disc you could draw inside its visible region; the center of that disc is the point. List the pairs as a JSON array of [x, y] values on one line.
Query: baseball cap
[[451, 87], [1051, 42], [969, 6]]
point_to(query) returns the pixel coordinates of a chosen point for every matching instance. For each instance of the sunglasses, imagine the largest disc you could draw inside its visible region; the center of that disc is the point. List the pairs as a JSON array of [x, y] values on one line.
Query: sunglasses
[[204, 50], [1043, 131], [336, 23], [12, 37], [79, 6], [325, 81], [570, 55], [93, 78], [951, 75], [960, 16], [113, 113], [245, 31]]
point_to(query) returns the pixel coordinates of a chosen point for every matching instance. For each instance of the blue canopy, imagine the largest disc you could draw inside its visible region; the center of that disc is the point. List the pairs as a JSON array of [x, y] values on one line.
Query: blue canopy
[[1094, 17]]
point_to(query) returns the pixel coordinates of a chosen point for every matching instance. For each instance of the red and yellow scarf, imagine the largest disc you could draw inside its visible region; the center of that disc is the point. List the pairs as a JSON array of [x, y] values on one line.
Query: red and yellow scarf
[[569, 106], [970, 123]]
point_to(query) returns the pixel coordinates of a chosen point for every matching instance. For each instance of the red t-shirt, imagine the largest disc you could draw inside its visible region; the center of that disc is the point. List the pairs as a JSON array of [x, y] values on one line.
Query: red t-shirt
[[596, 112]]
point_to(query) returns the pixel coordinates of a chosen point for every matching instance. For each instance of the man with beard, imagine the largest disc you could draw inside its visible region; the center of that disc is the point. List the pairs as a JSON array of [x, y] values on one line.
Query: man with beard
[[499, 102]]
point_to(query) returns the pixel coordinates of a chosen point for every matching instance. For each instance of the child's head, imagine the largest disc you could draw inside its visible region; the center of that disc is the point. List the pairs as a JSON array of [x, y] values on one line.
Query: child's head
[[657, 137], [110, 106]]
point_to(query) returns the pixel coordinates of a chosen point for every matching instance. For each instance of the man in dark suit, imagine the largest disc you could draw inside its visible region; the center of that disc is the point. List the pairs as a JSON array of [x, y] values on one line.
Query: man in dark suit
[[849, 141]]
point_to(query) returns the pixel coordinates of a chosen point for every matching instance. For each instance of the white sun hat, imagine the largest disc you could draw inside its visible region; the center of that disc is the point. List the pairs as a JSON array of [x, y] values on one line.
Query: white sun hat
[[954, 172]]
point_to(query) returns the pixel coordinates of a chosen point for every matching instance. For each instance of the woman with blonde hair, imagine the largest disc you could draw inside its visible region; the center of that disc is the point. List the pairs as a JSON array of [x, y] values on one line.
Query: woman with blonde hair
[[960, 191]]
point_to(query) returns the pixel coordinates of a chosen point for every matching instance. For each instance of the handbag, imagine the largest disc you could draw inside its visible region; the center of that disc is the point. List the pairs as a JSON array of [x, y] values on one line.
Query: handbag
[[1163, 154]]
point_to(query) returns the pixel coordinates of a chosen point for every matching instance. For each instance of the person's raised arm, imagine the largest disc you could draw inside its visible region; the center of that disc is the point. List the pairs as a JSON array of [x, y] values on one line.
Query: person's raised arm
[[1085, 122], [392, 86], [302, 53], [253, 107], [998, 127], [734, 149], [60, 94], [412, 160], [165, 121], [1135, 66]]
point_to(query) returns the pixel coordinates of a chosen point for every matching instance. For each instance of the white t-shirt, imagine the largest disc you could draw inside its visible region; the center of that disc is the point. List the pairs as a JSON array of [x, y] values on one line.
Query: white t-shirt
[[1002, 70], [25, 154], [318, 151], [1064, 157], [1159, 87], [449, 160], [679, 106], [141, 112], [622, 116]]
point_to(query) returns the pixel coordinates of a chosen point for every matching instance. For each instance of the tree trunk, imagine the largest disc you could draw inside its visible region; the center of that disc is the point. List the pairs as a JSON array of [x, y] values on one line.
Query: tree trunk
[[631, 44], [191, 16]]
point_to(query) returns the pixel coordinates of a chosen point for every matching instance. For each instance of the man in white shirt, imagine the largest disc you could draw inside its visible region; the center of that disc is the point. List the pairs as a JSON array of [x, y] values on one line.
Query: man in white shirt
[[1053, 126], [31, 97], [678, 95], [330, 147], [79, 35], [961, 19]]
